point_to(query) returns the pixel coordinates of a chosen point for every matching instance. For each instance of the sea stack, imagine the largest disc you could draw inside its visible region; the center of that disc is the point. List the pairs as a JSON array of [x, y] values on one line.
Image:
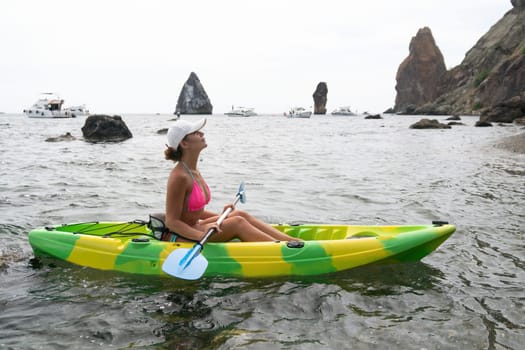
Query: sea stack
[[320, 98], [419, 74], [193, 98]]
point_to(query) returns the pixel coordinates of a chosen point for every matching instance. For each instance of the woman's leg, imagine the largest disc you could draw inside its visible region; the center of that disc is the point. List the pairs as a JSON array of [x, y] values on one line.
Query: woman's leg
[[264, 227], [238, 227]]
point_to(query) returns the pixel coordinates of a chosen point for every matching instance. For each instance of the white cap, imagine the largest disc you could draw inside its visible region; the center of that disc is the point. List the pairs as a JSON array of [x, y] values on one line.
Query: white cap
[[180, 129]]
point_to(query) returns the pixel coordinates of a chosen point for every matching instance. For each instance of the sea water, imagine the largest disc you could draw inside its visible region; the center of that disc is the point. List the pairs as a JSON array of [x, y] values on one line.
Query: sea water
[[468, 294]]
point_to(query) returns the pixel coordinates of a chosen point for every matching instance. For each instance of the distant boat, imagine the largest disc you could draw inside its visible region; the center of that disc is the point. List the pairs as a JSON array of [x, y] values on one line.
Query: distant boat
[[241, 112], [343, 111], [49, 105], [299, 112], [77, 111]]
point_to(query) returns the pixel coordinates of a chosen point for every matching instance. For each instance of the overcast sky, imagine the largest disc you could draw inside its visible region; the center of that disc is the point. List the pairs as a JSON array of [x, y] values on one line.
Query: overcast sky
[[124, 56]]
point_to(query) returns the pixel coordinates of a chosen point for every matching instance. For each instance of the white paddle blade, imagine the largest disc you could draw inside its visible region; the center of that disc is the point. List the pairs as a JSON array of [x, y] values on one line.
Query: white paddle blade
[[176, 265]]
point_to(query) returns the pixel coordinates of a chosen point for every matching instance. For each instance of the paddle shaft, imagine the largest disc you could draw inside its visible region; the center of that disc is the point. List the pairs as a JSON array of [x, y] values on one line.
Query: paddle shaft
[[219, 221], [189, 263]]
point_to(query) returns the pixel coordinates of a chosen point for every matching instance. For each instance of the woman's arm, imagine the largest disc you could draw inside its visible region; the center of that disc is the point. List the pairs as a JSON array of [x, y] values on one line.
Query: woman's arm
[[206, 214]]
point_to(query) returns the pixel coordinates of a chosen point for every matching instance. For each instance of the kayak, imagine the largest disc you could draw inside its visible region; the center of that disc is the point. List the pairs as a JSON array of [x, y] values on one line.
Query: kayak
[[132, 247]]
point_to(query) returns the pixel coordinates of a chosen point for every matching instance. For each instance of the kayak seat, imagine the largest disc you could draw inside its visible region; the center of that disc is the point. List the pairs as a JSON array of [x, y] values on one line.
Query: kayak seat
[[157, 225]]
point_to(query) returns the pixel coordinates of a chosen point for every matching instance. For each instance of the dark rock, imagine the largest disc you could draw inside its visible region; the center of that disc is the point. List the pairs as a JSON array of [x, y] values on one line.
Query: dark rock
[[193, 98], [454, 117], [163, 131], [506, 111], [520, 121], [418, 73], [66, 137], [320, 98], [390, 111], [455, 123], [374, 116], [482, 124], [105, 128], [429, 124]]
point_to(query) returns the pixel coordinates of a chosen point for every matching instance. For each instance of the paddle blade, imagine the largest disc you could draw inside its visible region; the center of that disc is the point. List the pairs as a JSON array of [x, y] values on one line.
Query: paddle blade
[[242, 193], [187, 264]]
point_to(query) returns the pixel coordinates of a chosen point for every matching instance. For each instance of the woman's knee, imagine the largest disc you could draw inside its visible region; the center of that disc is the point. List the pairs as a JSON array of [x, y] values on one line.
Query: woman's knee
[[242, 214], [235, 221]]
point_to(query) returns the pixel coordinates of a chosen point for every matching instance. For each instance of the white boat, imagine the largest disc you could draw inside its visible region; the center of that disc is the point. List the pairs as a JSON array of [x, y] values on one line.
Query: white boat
[[77, 111], [343, 111], [49, 105], [299, 112], [241, 112]]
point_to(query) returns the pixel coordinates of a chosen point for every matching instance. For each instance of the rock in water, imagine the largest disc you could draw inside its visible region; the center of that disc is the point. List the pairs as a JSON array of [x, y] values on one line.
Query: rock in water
[[105, 128], [418, 73], [66, 137], [320, 98], [429, 124], [193, 99]]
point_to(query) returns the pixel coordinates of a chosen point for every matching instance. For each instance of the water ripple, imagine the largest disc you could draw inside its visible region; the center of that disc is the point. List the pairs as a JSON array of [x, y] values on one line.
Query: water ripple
[[468, 294]]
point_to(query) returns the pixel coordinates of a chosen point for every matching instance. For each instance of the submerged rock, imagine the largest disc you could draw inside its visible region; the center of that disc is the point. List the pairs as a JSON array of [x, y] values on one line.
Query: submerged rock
[[66, 137], [105, 128]]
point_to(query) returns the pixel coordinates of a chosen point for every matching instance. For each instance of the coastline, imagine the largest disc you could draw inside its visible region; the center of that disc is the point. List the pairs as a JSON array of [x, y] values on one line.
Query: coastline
[[515, 143]]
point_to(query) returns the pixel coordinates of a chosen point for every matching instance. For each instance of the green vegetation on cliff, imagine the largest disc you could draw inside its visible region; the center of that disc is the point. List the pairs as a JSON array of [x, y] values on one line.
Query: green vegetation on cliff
[[481, 77]]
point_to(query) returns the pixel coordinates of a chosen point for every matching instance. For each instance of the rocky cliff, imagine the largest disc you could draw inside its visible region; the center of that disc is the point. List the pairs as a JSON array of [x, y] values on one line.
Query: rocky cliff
[[491, 76], [417, 75], [193, 98]]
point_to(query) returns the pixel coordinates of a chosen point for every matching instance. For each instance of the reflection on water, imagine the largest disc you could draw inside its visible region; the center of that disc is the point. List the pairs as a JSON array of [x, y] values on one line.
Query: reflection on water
[[468, 294]]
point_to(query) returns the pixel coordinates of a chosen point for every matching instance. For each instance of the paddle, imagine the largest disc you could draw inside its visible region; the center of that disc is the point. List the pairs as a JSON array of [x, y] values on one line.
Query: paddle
[[189, 264]]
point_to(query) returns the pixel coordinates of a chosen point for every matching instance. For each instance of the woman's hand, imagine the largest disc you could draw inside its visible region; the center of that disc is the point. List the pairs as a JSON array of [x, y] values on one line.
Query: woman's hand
[[210, 226], [228, 206]]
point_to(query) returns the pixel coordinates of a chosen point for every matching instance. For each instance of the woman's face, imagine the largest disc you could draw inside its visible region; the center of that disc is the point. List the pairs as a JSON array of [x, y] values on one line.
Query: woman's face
[[196, 139]]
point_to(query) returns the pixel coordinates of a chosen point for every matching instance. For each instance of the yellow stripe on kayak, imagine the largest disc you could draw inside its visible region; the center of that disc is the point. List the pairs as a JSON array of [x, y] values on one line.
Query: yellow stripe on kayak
[[355, 252], [259, 259], [96, 252]]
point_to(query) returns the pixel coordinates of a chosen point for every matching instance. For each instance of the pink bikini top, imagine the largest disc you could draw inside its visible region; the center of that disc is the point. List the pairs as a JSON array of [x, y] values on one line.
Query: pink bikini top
[[197, 199]]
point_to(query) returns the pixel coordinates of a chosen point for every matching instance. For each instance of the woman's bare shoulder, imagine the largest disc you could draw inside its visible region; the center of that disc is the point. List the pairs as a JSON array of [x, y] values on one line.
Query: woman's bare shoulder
[[178, 177]]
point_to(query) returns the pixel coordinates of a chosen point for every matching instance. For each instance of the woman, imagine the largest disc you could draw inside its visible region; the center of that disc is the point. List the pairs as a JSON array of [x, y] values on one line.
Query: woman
[[187, 195]]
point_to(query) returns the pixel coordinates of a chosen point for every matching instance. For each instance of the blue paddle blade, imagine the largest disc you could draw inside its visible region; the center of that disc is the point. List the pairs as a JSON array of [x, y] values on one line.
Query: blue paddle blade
[[242, 193], [187, 264]]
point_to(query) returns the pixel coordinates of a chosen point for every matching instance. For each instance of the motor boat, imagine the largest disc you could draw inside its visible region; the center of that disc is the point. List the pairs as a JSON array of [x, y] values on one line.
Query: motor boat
[[241, 112], [299, 112], [343, 111], [77, 111], [49, 105]]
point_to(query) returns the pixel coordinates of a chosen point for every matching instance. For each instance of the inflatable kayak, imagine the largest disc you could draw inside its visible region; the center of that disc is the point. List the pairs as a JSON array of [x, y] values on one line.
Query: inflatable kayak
[[133, 247]]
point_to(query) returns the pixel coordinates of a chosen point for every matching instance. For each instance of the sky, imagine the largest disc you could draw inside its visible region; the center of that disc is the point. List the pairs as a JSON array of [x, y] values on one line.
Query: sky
[[134, 56]]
